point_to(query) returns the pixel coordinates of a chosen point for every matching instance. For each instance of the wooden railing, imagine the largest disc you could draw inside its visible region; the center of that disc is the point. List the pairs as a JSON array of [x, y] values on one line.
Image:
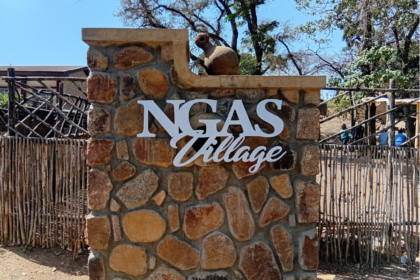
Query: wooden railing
[[43, 112], [368, 120]]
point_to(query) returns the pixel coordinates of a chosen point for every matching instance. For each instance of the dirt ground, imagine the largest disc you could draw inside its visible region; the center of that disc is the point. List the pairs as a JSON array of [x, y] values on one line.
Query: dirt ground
[[42, 264], [332, 127], [58, 264], [391, 271]]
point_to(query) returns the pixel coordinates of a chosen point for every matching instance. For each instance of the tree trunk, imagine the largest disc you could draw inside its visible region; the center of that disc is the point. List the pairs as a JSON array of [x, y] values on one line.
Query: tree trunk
[[367, 33]]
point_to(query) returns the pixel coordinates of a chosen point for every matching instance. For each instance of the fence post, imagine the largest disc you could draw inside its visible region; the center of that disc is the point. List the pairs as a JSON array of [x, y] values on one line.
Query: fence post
[[417, 125], [417, 141], [390, 165], [11, 102], [353, 112], [59, 106], [390, 118]]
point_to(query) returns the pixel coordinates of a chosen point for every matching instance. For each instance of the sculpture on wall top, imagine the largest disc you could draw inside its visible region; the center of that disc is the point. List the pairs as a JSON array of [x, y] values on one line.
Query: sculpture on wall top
[[219, 60]]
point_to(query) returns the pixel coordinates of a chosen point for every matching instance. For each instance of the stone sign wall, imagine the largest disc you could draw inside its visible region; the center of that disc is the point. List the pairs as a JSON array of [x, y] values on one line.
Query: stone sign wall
[[151, 220]]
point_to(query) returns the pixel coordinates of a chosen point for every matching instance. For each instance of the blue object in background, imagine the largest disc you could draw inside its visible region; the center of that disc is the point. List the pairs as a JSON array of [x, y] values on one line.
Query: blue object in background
[[399, 139]]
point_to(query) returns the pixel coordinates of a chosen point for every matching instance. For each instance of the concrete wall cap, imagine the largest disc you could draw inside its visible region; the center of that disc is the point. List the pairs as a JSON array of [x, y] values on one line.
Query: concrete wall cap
[[179, 38]]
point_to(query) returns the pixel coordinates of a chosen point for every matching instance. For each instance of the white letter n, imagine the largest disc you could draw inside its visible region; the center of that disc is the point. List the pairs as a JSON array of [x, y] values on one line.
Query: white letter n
[[150, 106]]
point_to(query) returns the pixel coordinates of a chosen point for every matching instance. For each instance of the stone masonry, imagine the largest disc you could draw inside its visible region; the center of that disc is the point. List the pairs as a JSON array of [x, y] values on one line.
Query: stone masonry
[[207, 221]]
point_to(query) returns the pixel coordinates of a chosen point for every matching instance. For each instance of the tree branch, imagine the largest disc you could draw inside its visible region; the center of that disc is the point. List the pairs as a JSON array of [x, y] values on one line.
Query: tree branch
[[330, 65], [413, 28], [397, 39], [265, 69], [251, 19], [234, 26], [291, 57], [407, 44], [222, 12], [191, 23]]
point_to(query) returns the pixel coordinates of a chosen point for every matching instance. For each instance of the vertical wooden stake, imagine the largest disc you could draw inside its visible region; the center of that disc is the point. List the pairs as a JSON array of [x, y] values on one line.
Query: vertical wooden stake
[[11, 102], [391, 119], [417, 131]]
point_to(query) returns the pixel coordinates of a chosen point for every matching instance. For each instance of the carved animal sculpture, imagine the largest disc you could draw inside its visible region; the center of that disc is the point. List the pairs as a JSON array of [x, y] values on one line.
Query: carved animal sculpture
[[218, 60]]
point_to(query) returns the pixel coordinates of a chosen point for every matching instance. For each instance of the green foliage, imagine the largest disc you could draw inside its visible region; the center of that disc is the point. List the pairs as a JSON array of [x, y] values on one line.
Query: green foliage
[[381, 35], [25, 249], [262, 36], [3, 100], [247, 64], [339, 104], [383, 64]]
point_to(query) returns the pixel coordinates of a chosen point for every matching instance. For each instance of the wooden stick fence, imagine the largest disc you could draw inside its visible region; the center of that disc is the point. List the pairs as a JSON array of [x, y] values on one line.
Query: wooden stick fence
[[42, 192], [368, 215]]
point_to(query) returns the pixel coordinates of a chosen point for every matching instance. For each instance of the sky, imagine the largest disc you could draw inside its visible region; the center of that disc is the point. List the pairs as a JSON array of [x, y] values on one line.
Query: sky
[[48, 32]]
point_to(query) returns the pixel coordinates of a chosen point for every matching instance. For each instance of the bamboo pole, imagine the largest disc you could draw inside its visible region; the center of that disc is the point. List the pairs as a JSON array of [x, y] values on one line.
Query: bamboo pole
[[406, 236], [78, 186], [48, 193], [325, 211], [416, 204], [354, 196], [31, 183], [399, 200], [8, 194], [63, 190], [20, 193], [347, 192], [333, 211], [2, 192], [11, 191], [26, 210], [352, 108], [67, 193], [84, 184], [71, 197], [368, 120], [373, 90], [417, 143], [56, 194], [359, 202], [27, 184], [60, 190], [45, 78], [340, 199]]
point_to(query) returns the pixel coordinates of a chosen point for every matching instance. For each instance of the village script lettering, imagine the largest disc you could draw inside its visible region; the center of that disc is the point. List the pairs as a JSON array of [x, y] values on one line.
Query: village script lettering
[[230, 149]]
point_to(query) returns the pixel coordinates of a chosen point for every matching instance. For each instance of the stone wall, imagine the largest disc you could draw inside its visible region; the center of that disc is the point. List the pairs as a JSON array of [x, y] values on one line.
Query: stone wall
[[151, 220]]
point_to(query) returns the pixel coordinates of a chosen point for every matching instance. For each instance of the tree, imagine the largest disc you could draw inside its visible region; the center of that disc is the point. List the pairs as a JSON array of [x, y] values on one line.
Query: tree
[[384, 34], [221, 19]]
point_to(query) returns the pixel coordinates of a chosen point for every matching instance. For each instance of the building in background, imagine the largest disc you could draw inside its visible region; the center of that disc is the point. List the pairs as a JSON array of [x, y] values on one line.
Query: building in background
[[56, 72]]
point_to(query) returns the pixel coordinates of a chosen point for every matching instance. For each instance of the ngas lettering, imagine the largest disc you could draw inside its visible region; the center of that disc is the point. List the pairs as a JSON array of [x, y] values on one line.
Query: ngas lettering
[[230, 149]]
